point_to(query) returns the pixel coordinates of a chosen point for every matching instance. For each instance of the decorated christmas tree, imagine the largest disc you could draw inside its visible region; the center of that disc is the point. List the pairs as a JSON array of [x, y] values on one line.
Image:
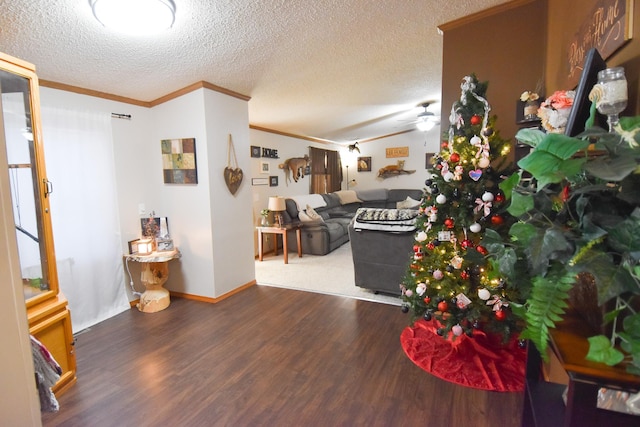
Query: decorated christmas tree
[[451, 277]]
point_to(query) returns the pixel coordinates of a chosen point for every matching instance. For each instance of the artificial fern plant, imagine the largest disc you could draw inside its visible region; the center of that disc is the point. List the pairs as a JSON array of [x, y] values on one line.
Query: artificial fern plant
[[579, 212]]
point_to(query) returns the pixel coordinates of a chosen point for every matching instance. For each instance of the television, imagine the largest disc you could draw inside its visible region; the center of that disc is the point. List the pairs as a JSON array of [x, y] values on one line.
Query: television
[[593, 63]]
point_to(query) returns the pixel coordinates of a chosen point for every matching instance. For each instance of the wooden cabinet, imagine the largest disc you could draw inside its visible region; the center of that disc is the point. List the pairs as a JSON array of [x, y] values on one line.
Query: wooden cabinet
[[48, 315]]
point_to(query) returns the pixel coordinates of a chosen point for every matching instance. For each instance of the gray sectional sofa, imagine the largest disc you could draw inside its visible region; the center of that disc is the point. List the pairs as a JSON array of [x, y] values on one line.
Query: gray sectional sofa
[[321, 236]]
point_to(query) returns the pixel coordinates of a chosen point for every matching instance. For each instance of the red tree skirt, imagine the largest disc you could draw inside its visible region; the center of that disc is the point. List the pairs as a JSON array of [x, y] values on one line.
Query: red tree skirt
[[480, 362]]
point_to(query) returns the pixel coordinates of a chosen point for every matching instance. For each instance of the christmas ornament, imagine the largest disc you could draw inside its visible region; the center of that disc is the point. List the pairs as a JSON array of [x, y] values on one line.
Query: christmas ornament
[[499, 198], [487, 131], [475, 140], [443, 306], [475, 120], [408, 293], [438, 275], [466, 244], [427, 316], [421, 236], [416, 248], [404, 308], [427, 300], [448, 177], [441, 199], [484, 294], [462, 301], [456, 262], [475, 227], [482, 250], [484, 162], [487, 197], [501, 315], [497, 219], [457, 330], [421, 289], [455, 157], [449, 223], [475, 174], [428, 182], [464, 274]]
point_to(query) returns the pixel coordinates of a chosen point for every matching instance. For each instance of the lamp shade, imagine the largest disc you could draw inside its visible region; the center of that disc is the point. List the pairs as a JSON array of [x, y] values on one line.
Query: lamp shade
[[425, 125], [276, 204]]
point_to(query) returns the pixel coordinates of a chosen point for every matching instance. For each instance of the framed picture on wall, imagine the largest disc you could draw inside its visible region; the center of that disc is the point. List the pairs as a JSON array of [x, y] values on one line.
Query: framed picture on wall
[[273, 181], [364, 164], [264, 167], [255, 151], [428, 160]]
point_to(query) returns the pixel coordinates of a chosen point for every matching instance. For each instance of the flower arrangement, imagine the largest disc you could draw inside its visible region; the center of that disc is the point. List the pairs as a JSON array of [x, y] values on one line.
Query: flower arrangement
[[528, 96], [265, 212], [554, 111]]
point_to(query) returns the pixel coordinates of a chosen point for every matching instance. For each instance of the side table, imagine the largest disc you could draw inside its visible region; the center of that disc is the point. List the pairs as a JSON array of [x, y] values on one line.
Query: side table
[[155, 272], [283, 232]]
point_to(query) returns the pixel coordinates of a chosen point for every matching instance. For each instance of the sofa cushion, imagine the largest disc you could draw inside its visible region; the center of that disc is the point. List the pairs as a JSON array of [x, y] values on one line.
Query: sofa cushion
[[372, 195], [348, 196], [408, 203]]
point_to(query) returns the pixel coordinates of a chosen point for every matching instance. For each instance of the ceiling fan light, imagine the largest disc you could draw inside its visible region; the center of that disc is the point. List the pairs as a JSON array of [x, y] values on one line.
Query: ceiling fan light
[[425, 125], [135, 17]]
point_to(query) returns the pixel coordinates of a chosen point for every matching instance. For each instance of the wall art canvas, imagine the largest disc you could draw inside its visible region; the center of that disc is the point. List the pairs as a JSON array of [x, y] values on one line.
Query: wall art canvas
[[179, 161], [364, 164]]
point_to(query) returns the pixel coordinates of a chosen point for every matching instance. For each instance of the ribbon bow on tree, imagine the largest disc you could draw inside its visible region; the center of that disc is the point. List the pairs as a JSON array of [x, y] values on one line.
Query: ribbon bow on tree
[[482, 205]]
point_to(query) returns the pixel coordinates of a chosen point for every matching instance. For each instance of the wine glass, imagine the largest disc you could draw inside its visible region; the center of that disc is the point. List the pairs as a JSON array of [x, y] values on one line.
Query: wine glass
[[614, 94]]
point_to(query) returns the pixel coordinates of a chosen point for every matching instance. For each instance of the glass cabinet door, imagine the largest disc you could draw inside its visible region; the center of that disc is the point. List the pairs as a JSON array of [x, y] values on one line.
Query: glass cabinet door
[[29, 187]]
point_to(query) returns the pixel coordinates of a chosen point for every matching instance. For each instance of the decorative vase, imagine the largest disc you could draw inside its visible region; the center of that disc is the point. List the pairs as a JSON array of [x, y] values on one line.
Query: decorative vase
[[531, 110], [265, 221]]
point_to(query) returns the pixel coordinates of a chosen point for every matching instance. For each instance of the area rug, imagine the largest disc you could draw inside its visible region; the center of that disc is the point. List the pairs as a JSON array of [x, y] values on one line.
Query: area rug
[[480, 362]]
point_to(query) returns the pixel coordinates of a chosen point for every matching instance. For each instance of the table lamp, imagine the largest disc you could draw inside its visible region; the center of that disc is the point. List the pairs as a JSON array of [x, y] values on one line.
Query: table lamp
[[277, 205]]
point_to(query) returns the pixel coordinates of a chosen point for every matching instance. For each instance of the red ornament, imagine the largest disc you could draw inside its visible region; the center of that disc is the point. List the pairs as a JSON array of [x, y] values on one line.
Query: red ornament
[[565, 193], [464, 274], [445, 144], [443, 306], [482, 250], [455, 157], [415, 267], [449, 223], [416, 248], [499, 198], [466, 243], [501, 315], [475, 120], [497, 219], [430, 246], [427, 300]]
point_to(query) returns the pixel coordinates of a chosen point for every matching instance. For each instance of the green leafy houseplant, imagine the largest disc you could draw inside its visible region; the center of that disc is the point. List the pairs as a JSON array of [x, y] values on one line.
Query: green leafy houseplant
[[579, 214]]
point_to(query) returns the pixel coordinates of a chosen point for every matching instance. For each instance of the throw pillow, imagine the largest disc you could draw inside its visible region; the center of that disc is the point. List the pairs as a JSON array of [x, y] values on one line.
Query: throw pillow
[[348, 196], [311, 213], [303, 217], [408, 203]]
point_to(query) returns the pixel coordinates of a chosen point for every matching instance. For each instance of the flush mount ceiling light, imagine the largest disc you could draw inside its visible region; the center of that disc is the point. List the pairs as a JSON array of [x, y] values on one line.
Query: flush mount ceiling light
[[135, 17]]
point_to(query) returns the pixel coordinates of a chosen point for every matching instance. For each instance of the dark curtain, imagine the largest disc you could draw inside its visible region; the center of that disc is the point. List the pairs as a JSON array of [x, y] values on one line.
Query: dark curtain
[[326, 171]]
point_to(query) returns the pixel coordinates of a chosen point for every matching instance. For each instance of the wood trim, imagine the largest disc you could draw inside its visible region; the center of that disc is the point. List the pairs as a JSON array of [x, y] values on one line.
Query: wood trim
[[95, 93], [213, 300], [17, 61], [196, 86], [465, 20], [292, 135], [386, 136], [146, 104]]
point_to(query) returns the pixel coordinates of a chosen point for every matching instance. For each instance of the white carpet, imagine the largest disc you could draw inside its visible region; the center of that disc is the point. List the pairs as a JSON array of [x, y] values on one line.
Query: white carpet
[[328, 274]]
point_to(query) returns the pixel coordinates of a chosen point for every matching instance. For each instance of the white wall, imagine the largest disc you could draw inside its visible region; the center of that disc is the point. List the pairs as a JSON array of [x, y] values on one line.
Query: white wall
[[193, 210]]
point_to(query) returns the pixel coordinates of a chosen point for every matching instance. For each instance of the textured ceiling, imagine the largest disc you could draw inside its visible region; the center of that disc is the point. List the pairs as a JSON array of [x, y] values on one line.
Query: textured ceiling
[[340, 70]]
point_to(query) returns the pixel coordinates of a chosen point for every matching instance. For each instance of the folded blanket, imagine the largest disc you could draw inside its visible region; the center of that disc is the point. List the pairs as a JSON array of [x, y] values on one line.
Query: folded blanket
[[392, 220], [377, 215]]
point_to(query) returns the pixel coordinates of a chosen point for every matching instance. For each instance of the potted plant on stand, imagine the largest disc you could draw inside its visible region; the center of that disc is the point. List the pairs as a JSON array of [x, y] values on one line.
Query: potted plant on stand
[[579, 222]]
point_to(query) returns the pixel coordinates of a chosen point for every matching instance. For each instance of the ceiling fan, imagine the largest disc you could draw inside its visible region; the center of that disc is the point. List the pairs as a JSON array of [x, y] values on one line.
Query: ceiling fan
[[425, 120]]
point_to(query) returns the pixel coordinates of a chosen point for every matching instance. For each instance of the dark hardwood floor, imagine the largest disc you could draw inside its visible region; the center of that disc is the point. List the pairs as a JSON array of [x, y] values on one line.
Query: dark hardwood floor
[[265, 357]]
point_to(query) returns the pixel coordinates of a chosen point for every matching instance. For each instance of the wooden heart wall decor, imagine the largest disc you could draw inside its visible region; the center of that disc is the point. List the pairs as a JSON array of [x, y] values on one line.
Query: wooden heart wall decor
[[232, 173]]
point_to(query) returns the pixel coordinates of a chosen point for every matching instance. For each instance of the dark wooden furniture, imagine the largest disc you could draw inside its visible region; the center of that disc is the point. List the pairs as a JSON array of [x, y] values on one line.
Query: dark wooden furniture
[[543, 404]]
